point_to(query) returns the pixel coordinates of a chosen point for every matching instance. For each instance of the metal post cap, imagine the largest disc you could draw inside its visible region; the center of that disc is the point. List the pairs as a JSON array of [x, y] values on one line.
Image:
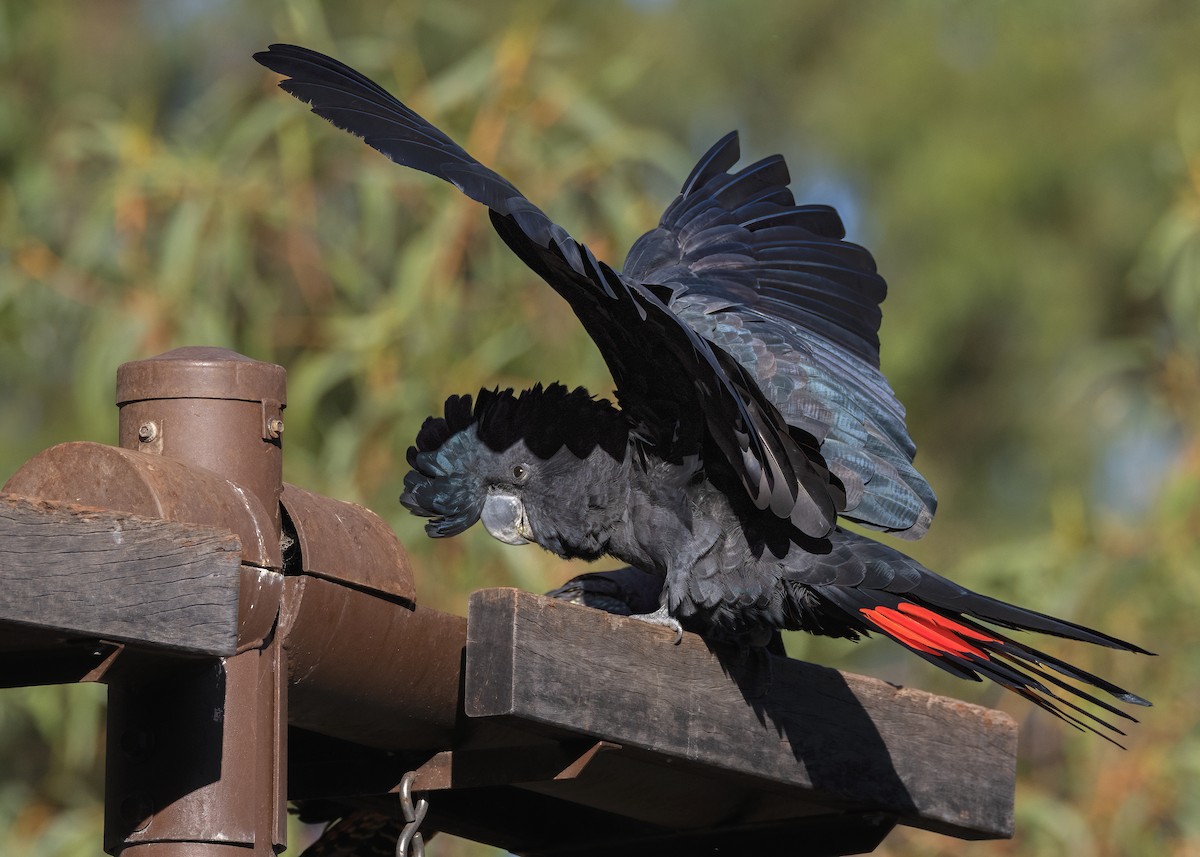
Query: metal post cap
[[200, 372]]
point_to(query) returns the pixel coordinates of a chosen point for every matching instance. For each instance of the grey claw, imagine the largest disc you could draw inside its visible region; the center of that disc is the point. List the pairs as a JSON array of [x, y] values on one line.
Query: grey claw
[[663, 618]]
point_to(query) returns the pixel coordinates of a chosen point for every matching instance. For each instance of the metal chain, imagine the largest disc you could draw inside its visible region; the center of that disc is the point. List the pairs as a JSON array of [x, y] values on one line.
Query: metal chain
[[411, 843]]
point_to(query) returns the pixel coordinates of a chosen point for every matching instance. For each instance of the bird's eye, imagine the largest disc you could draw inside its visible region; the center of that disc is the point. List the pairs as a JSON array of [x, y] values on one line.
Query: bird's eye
[[520, 472]]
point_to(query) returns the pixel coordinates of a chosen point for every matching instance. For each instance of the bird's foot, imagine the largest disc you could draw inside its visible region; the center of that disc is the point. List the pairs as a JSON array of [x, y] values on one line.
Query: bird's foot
[[662, 617]]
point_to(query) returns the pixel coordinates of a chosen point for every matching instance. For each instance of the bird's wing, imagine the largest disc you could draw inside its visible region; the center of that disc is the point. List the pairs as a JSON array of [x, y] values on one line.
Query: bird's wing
[[774, 285], [680, 391]]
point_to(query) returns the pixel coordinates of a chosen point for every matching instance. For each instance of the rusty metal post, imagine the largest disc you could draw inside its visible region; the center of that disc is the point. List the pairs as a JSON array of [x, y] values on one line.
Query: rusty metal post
[[196, 752]]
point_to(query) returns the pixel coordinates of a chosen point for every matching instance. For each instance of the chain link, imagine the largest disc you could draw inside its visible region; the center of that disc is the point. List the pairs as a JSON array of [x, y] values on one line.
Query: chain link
[[411, 843]]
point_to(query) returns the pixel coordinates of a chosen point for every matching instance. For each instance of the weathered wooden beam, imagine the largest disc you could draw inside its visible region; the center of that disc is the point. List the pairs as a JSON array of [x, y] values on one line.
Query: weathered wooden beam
[[793, 729], [90, 573]]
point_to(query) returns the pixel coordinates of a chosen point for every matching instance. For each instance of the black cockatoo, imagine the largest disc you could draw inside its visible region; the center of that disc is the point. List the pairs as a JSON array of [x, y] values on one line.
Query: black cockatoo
[[741, 334]]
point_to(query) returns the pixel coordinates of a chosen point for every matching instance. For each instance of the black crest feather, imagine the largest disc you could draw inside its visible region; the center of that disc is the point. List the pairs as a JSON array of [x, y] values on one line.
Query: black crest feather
[[445, 483], [548, 419]]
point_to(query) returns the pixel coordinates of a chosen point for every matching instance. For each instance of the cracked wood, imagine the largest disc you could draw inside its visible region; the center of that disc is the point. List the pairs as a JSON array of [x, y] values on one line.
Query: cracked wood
[[92, 573]]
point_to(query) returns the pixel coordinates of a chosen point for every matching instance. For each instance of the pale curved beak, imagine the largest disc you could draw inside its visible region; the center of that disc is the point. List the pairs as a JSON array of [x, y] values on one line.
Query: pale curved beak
[[504, 517]]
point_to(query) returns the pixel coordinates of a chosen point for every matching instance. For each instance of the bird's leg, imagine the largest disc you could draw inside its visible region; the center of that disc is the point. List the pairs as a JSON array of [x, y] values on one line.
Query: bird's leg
[[662, 617], [747, 663], [758, 673]]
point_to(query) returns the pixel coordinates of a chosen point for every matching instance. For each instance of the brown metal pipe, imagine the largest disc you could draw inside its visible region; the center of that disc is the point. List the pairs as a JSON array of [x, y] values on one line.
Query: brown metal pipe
[[369, 670], [209, 407], [192, 768], [365, 662], [196, 762]]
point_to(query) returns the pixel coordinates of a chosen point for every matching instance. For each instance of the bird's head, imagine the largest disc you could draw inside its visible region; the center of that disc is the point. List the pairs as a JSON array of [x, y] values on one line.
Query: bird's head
[[531, 466]]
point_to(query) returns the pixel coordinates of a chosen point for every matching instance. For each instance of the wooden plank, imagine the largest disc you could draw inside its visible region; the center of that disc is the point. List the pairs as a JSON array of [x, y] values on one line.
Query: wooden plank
[[847, 741], [110, 575], [821, 836]]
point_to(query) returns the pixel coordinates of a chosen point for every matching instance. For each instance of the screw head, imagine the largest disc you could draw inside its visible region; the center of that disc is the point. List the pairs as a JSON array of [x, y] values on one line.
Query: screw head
[[147, 432], [275, 426]]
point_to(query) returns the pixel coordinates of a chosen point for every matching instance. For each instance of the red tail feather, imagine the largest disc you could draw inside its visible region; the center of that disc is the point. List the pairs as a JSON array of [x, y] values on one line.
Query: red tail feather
[[920, 628]]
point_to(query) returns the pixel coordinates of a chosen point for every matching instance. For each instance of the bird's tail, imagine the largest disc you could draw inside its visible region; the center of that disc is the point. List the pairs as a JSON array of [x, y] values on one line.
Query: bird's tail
[[943, 623]]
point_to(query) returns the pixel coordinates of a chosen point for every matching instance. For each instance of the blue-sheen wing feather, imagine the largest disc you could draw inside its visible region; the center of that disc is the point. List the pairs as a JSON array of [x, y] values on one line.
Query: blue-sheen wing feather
[[773, 284]]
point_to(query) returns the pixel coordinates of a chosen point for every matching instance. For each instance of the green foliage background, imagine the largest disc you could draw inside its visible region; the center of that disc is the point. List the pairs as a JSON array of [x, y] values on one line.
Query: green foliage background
[[1027, 175]]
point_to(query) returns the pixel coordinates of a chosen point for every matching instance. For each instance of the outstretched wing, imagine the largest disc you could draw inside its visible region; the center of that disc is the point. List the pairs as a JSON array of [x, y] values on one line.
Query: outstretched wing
[[680, 391], [774, 285]]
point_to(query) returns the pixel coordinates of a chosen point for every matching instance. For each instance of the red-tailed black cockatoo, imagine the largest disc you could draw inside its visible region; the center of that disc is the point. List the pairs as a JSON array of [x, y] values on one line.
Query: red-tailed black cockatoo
[[750, 415]]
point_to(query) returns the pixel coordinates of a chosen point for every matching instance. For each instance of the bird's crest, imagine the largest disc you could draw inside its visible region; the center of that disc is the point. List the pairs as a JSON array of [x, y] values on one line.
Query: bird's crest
[[450, 457]]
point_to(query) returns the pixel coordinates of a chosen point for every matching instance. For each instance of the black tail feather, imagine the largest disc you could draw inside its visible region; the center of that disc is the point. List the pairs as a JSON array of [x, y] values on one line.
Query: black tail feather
[[1016, 618], [1082, 694], [933, 589], [966, 648]]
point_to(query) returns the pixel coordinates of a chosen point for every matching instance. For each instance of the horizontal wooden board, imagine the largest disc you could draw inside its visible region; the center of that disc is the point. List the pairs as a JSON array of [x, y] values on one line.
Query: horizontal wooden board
[[90, 573], [846, 741]]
